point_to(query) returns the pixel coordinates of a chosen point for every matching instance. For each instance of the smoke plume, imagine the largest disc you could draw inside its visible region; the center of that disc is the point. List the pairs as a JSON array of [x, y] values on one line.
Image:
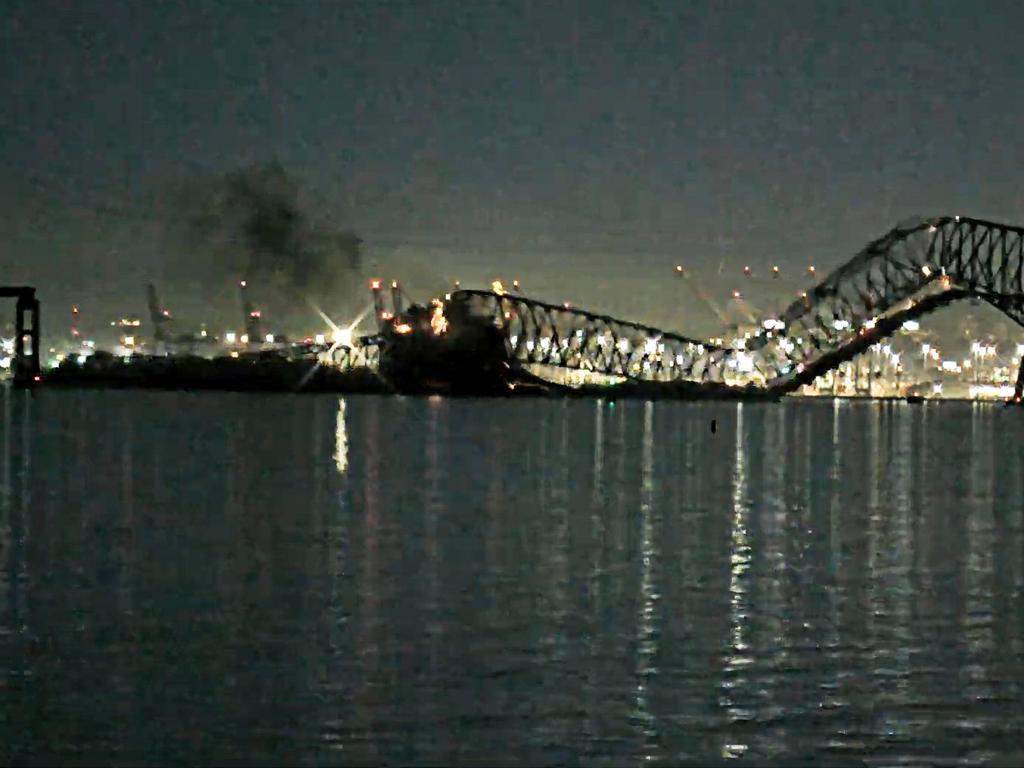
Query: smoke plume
[[248, 225]]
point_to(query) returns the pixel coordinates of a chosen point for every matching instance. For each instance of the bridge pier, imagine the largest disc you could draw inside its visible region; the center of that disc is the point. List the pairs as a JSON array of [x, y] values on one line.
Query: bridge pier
[[27, 344]]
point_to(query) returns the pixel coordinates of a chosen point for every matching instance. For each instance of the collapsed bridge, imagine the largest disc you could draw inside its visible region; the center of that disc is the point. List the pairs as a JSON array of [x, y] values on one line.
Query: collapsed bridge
[[910, 271]]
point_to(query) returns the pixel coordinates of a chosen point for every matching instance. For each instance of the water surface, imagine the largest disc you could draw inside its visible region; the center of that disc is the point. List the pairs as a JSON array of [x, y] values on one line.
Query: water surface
[[244, 579]]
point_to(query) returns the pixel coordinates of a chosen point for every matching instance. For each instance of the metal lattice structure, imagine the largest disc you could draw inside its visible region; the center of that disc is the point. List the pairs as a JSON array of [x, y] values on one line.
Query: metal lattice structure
[[541, 334], [914, 269], [910, 271], [353, 358]]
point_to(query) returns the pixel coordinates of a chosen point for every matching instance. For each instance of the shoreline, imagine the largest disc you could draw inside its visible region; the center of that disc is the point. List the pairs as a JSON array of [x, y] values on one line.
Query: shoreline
[[268, 375]]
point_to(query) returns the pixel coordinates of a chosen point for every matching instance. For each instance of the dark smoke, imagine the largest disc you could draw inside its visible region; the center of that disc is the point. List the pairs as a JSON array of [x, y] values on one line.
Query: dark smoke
[[248, 225]]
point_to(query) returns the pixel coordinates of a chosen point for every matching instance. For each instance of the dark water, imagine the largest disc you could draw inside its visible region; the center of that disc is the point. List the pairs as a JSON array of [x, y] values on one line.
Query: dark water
[[238, 579]]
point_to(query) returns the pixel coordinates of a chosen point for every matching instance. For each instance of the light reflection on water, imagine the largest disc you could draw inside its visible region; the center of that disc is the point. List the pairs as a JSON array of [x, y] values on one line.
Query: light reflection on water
[[243, 579]]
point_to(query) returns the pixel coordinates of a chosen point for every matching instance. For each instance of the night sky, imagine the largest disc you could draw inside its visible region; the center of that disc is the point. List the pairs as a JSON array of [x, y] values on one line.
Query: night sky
[[583, 147]]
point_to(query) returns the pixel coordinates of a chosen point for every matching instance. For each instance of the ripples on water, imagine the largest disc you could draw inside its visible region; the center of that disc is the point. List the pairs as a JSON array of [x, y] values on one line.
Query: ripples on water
[[251, 580]]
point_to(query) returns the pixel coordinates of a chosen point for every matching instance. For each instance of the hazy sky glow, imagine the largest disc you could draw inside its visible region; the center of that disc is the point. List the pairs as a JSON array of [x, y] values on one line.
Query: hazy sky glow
[[580, 140]]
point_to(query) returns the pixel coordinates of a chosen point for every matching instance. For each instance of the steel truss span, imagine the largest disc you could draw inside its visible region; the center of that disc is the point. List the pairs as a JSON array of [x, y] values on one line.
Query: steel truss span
[[910, 271], [353, 358], [914, 269], [537, 333]]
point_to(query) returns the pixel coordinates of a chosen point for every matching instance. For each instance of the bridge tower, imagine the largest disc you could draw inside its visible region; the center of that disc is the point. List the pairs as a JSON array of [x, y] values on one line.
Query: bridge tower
[[27, 344]]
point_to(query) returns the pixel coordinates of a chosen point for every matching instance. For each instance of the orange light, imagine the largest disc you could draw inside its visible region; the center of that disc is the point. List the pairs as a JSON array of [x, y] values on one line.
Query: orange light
[[375, 284], [811, 269], [386, 316], [438, 322], [775, 268], [242, 283], [567, 305], [746, 271], [679, 269], [403, 328], [736, 294]]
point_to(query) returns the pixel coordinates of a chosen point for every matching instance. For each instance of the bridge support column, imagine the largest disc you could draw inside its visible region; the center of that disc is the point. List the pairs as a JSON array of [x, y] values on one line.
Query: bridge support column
[[26, 340]]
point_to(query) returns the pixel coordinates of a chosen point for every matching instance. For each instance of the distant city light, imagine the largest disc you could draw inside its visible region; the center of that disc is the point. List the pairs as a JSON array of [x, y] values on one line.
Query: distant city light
[[926, 271], [320, 339], [911, 325], [841, 325], [244, 338], [230, 337], [269, 338], [991, 390]]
